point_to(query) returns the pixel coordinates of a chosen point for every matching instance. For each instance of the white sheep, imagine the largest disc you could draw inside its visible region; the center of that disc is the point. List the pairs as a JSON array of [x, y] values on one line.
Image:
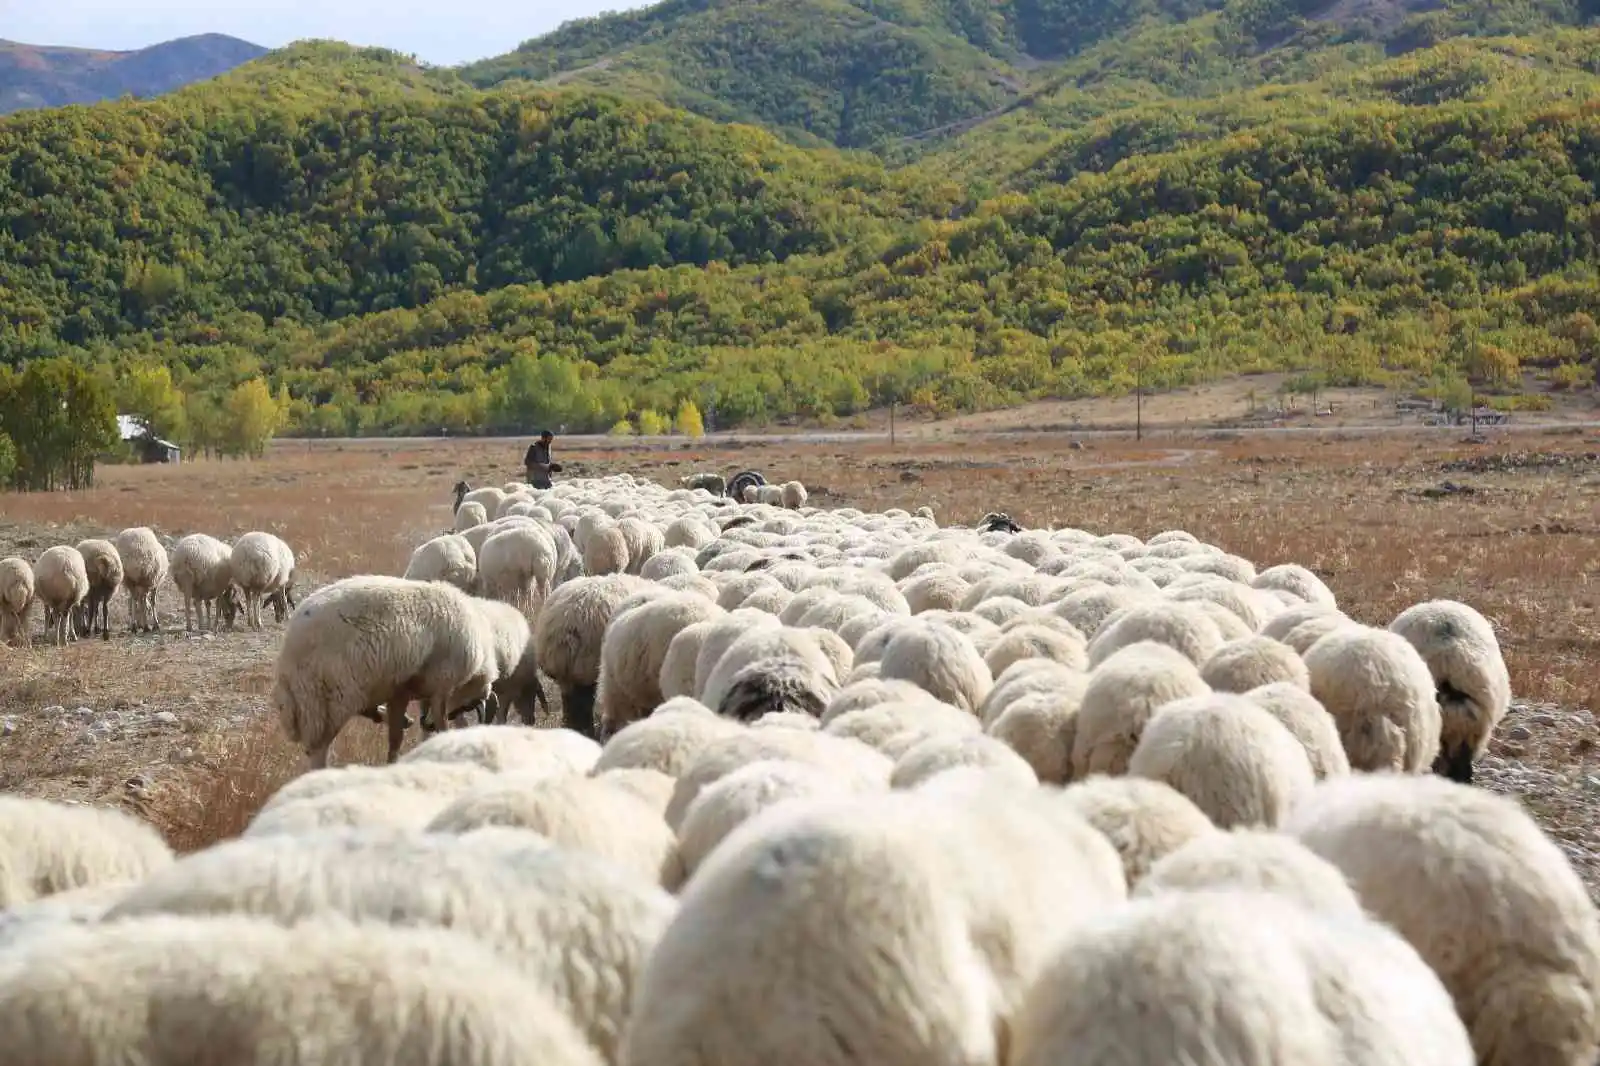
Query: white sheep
[[552, 752], [1236, 977], [471, 513], [855, 763], [1472, 683], [60, 582], [103, 566], [517, 686], [942, 752], [729, 802], [144, 570], [1121, 695], [568, 635], [449, 558], [256, 564], [1036, 641], [48, 847], [16, 601], [1296, 579], [1254, 860], [1185, 627], [580, 813], [901, 928], [1242, 665], [1380, 693], [1234, 760], [792, 495], [941, 661], [1487, 900], [667, 742], [518, 566], [163, 991], [1299, 712], [366, 641], [202, 572], [633, 651], [371, 804], [1144, 820]]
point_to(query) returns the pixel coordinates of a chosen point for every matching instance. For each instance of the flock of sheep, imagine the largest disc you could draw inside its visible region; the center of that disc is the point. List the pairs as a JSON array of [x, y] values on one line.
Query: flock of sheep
[[832, 787], [75, 584]]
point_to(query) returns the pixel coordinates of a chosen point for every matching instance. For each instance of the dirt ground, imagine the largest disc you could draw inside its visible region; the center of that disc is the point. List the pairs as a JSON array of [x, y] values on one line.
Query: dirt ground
[[177, 726]]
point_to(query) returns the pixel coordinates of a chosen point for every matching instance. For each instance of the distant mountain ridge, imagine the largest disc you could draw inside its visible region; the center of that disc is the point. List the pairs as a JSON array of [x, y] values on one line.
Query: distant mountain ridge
[[33, 76]]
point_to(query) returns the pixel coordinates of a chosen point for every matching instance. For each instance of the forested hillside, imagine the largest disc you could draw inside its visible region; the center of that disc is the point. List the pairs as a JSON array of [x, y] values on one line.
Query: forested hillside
[[395, 251]]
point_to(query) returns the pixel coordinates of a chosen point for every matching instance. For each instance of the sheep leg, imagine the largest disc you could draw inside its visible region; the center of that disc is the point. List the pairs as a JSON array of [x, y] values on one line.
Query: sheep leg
[[577, 709], [105, 618], [529, 710], [317, 757], [397, 722]]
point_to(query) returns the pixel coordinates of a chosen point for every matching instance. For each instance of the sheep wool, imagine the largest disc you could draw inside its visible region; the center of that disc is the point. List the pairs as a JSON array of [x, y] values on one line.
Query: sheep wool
[[375, 804], [567, 640], [144, 568], [1242, 665], [1299, 712], [939, 753], [201, 568], [539, 908], [904, 928], [48, 848], [942, 662], [1380, 693], [728, 803], [1233, 759], [498, 748], [60, 582], [1472, 683], [633, 651], [1144, 820], [103, 566], [1185, 627], [169, 991], [1121, 695], [854, 763], [665, 741], [1258, 861], [16, 601], [1489, 901], [1235, 977]]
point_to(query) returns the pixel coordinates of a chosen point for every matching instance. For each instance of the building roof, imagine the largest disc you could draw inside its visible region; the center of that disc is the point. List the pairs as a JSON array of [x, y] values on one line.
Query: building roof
[[132, 429]]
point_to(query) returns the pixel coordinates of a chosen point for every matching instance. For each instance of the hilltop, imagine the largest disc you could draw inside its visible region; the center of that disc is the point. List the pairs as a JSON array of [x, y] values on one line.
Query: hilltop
[[43, 76], [891, 74]]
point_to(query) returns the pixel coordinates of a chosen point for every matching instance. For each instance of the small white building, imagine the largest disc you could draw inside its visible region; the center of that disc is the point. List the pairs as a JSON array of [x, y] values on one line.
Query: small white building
[[146, 445]]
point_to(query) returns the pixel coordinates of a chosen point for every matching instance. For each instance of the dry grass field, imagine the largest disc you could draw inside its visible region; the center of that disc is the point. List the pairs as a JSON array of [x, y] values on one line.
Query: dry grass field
[[178, 727]]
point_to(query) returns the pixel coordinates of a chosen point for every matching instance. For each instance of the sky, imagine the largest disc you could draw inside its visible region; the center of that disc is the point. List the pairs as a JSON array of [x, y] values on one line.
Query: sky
[[445, 32]]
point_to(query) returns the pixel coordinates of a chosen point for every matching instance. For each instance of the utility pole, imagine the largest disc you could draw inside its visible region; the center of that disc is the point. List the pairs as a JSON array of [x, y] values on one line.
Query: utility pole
[[1138, 399]]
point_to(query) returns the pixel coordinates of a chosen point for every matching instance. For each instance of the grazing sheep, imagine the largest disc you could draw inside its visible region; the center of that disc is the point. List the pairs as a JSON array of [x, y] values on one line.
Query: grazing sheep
[[366, 641], [144, 570], [1487, 899], [470, 514], [450, 558], [869, 692], [256, 565], [728, 803], [579, 813], [788, 684], [634, 649], [568, 636], [75, 906], [864, 934], [1242, 665], [1296, 579], [518, 566], [1041, 727], [1185, 627], [895, 728], [167, 991], [666, 741], [1029, 641], [941, 661], [439, 778], [517, 686], [1088, 609], [1282, 624], [60, 582], [605, 551], [104, 568], [48, 847], [1235, 977], [16, 601], [1307, 633], [1027, 677], [1472, 684], [1257, 861], [1144, 820], [756, 645], [201, 569], [1299, 712], [371, 804], [1234, 760], [499, 748], [792, 495], [1380, 693], [941, 752], [1121, 696], [652, 787], [855, 764]]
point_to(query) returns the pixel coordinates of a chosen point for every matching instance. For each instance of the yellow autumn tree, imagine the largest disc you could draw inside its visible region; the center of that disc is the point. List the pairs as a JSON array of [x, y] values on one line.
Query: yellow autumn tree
[[651, 424], [688, 420], [254, 417]]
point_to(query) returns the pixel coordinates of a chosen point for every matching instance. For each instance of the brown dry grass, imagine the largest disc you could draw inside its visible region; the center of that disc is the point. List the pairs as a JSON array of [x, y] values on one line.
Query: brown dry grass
[[1522, 547]]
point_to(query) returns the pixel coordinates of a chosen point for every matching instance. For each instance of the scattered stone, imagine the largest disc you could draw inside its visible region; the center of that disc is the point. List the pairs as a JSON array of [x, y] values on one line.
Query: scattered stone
[[8, 726], [166, 717]]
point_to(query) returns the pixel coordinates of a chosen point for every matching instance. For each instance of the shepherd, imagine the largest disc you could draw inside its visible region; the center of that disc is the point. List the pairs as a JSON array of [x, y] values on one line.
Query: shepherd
[[538, 461]]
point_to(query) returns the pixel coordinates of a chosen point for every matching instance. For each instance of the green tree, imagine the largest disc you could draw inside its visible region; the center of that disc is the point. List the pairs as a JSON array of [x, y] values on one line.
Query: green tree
[[149, 396], [652, 424], [622, 428], [688, 420], [8, 460], [1455, 394], [63, 420], [254, 417]]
